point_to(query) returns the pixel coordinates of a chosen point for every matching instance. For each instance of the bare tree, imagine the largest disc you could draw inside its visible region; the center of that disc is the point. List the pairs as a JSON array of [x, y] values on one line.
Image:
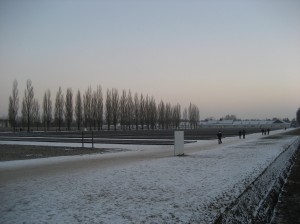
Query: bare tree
[[94, 110], [147, 112], [136, 110], [185, 116], [161, 114], [115, 107], [142, 111], [298, 116], [191, 115], [194, 115], [123, 112], [176, 115], [108, 111], [130, 110], [168, 115], [47, 109], [197, 117], [59, 108], [99, 107], [13, 105], [69, 108], [36, 114], [27, 105], [152, 113], [78, 110], [87, 107]]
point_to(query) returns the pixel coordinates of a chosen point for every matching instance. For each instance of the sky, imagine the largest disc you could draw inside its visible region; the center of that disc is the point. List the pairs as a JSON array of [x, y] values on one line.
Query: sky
[[227, 57]]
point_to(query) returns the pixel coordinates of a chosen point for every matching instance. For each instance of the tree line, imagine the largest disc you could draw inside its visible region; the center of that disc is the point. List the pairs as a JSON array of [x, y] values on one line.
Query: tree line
[[89, 110]]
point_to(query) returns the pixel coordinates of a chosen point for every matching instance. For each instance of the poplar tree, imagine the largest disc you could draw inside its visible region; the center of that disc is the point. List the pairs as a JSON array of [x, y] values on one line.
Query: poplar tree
[[27, 105], [13, 106], [185, 116], [142, 111], [87, 107], [47, 109], [59, 108], [115, 107], [298, 116], [168, 115], [152, 113], [78, 110], [99, 107], [108, 111], [147, 112], [136, 110], [123, 114], [176, 115], [194, 115], [36, 113], [69, 108], [161, 114], [129, 110]]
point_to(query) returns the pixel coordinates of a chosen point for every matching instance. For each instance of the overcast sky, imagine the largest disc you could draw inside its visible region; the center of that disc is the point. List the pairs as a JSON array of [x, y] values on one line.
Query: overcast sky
[[228, 57]]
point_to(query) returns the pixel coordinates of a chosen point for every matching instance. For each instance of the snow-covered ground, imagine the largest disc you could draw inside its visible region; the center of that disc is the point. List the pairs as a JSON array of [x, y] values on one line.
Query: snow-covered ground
[[191, 189]]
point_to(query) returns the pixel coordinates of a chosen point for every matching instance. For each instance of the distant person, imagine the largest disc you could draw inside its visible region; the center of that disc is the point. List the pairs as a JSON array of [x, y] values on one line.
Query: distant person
[[262, 131], [268, 131], [265, 131], [219, 135], [244, 133], [240, 134]]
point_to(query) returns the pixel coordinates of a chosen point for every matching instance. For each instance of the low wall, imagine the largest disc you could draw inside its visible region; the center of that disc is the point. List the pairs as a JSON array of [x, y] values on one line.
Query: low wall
[[257, 202]]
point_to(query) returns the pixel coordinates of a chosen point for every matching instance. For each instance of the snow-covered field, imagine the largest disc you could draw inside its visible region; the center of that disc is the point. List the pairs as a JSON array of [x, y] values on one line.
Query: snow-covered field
[[191, 189]]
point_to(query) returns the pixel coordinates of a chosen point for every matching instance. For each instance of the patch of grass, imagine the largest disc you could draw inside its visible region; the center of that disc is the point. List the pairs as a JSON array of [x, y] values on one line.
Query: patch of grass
[[293, 132], [273, 137], [21, 152]]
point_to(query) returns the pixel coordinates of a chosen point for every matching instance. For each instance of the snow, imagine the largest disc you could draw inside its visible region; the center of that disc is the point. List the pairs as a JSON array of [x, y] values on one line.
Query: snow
[[88, 145], [194, 188]]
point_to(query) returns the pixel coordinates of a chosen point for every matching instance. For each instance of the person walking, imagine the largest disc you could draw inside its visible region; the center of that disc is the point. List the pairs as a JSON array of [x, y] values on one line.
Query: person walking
[[219, 136], [262, 131], [244, 133], [268, 131], [240, 134]]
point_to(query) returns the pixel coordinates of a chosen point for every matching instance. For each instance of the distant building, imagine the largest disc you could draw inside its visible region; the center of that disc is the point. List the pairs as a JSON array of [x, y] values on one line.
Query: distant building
[[245, 123]]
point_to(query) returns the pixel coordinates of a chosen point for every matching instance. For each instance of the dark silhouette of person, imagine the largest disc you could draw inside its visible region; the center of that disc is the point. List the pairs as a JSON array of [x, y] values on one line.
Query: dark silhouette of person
[[219, 135], [240, 134], [244, 133], [262, 131], [268, 131]]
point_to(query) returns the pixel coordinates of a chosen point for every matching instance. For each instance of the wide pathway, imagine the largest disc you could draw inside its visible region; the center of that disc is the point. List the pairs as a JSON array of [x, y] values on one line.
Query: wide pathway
[[18, 170], [149, 186]]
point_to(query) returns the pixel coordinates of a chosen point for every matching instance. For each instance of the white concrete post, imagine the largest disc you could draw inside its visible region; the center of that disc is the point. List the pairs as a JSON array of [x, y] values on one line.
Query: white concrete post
[[178, 143]]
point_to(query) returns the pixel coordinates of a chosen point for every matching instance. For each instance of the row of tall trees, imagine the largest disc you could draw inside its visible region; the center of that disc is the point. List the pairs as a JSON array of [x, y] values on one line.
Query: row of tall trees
[[139, 111], [298, 116], [90, 111]]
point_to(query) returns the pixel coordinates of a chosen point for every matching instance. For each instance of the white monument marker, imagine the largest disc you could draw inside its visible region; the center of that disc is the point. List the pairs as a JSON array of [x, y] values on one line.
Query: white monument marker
[[178, 143]]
